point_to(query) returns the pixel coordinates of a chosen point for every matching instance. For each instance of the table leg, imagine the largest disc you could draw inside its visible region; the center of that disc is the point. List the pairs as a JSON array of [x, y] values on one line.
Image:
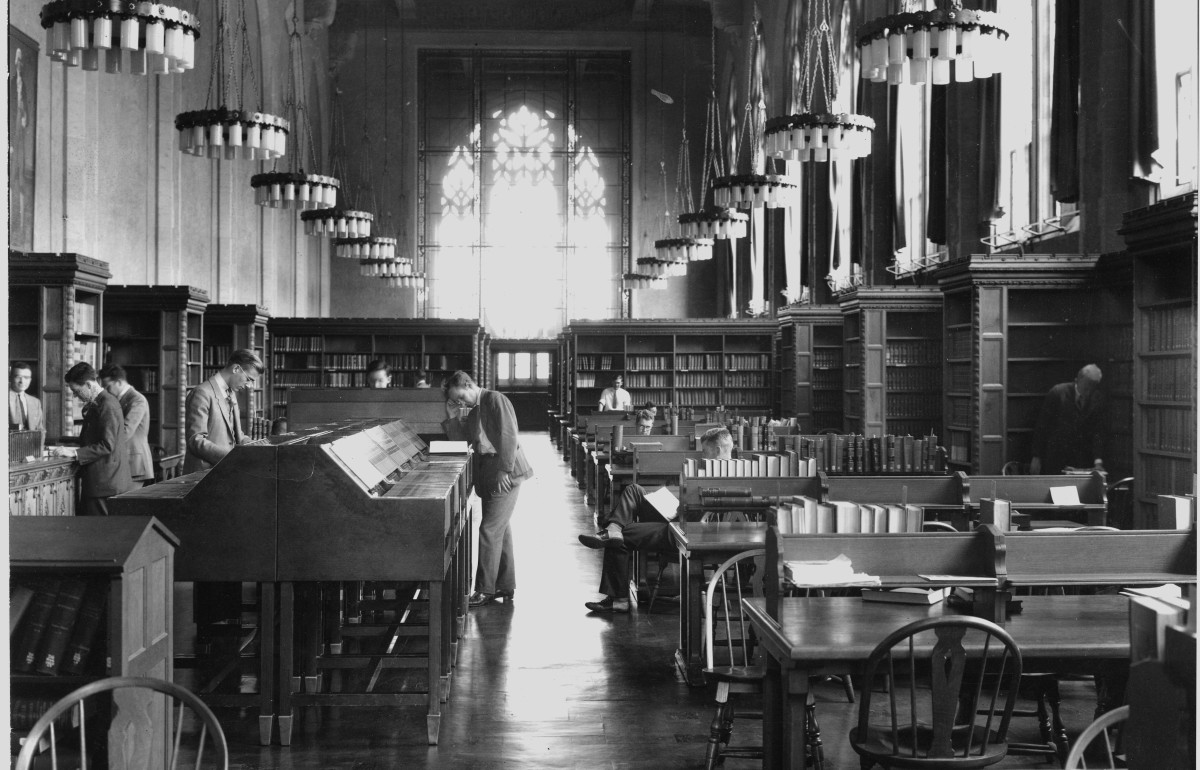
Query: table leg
[[793, 717], [772, 716], [589, 492], [433, 718], [266, 662], [695, 619], [447, 633], [287, 606]]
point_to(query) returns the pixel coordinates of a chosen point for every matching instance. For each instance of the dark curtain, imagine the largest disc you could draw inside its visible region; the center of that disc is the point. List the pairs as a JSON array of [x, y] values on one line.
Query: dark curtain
[[988, 94], [1064, 106], [896, 153], [859, 207], [939, 172], [1143, 88]]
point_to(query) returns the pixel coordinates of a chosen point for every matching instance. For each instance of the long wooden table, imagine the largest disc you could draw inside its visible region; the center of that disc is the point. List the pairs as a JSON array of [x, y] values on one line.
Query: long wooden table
[[700, 544], [815, 636]]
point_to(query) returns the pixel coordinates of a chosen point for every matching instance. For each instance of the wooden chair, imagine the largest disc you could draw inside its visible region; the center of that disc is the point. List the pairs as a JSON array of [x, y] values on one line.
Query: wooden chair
[[966, 662], [166, 466], [1096, 729], [131, 718]]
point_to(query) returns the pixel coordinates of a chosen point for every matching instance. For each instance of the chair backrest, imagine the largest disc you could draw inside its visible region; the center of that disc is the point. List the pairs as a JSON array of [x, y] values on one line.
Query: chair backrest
[[661, 464], [972, 665], [170, 466], [749, 514], [1035, 490], [1078, 557], [132, 743], [1096, 729], [725, 622], [669, 443]]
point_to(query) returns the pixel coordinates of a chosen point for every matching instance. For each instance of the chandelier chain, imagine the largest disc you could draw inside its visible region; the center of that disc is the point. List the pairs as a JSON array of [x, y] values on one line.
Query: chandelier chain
[[820, 62]]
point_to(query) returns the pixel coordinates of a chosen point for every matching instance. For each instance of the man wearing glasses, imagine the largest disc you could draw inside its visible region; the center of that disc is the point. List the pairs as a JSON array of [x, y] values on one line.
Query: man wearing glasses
[[103, 453], [214, 426]]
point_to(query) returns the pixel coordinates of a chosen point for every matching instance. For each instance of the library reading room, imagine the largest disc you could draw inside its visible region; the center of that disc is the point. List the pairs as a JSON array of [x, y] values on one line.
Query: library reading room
[[830, 364]]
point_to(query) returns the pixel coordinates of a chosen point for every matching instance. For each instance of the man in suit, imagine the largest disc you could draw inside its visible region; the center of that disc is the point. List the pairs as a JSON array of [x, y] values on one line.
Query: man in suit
[[137, 422], [636, 524], [1070, 427], [487, 420], [214, 426], [615, 398], [24, 411], [103, 452]]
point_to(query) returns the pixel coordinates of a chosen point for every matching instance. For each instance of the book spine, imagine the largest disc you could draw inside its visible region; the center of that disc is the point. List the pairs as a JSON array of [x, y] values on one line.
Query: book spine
[[33, 626], [62, 622], [87, 625]]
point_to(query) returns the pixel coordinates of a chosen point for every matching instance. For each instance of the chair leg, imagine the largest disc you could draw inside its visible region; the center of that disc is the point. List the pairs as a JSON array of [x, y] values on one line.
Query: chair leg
[[662, 567], [813, 734], [1058, 730], [713, 753], [848, 687]]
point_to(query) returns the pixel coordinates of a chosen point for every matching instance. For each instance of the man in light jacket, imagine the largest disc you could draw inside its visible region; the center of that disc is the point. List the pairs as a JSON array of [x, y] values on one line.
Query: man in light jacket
[[137, 422]]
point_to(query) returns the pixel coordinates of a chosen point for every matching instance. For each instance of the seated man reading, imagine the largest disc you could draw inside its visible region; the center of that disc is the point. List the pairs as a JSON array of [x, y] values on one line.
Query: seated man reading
[[636, 524]]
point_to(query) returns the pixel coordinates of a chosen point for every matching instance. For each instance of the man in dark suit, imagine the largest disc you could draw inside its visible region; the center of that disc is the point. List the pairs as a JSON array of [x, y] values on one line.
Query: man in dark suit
[[487, 420], [214, 426], [24, 411], [103, 452], [1070, 427], [137, 422]]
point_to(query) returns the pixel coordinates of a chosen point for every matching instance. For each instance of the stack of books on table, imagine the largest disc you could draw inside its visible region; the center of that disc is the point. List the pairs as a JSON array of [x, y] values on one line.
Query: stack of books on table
[[807, 516], [834, 572]]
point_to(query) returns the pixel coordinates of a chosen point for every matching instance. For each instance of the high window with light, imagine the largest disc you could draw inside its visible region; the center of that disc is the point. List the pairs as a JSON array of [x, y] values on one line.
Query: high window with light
[[524, 162]]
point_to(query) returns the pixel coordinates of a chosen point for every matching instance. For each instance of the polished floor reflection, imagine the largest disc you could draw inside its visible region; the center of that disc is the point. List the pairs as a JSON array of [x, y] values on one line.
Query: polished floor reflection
[[541, 683]]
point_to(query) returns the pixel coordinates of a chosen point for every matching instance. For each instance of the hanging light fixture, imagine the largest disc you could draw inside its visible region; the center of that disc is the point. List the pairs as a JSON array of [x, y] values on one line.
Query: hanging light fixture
[[642, 281], [295, 188], [680, 246], [345, 220], [819, 136], [918, 46], [224, 132], [136, 37], [756, 187]]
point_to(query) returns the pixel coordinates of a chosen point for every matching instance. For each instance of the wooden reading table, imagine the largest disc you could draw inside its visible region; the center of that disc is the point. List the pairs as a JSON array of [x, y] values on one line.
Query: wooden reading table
[[1031, 495]]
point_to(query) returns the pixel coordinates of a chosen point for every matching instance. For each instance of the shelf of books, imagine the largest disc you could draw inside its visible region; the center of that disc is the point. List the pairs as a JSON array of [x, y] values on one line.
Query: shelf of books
[[335, 352], [156, 333], [893, 360], [1161, 241], [1013, 328], [810, 356], [55, 316], [234, 327], [703, 364]]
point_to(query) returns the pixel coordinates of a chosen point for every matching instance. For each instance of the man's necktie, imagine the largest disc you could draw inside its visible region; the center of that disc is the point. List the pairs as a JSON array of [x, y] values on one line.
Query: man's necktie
[[24, 413], [237, 429]]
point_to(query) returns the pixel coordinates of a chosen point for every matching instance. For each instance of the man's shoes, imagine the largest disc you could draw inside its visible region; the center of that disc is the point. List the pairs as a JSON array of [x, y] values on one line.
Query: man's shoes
[[608, 604], [477, 599], [506, 595], [602, 539]]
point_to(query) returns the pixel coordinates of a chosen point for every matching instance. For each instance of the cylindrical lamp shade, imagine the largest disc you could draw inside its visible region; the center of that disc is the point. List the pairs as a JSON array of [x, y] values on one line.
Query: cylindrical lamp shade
[[919, 47], [232, 134], [77, 30]]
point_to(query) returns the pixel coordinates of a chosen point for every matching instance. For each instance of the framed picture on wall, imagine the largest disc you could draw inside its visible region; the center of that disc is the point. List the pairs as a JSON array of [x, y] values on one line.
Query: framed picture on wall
[[22, 135]]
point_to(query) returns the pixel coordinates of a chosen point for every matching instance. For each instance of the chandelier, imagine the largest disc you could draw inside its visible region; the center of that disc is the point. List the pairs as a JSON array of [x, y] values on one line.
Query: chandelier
[[715, 223], [136, 37], [224, 132], [643, 281], [819, 136], [757, 188], [918, 46], [683, 246], [334, 221], [337, 222], [295, 188]]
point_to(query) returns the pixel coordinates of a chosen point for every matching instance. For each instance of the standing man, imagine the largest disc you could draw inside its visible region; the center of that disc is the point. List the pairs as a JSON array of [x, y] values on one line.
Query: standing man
[[1070, 427], [103, 453], [616, 398], [214, 427], [137, 422], [24, 411], [487, 420]]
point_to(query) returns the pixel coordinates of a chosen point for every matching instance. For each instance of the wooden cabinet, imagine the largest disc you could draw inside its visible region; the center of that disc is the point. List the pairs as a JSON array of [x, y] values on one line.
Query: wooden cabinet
[[1013, 328], [157, 334], [1161, 241], [808, 352], [55, 317], [892, 360], [42, 487], [234, 327], [334, 352], [126, 564], [701, 363]]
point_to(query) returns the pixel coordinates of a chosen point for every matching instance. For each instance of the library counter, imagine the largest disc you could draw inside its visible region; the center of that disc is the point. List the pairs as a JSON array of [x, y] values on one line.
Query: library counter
[[44, 487]]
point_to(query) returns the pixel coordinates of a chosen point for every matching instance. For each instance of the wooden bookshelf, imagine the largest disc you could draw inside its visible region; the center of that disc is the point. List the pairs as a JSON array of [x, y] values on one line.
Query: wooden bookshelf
[[892, 359], [233, 327], [334, 352], [1161, 241], [1013, 328], [698, 363], [157, 334], [808, 350], [56, 319]]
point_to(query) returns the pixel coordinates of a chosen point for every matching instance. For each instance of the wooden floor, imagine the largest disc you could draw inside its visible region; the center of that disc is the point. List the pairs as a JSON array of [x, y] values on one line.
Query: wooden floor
[[541, 683]]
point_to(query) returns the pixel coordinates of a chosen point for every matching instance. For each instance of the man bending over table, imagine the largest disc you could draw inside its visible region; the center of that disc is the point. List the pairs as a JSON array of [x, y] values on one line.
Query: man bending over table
[[635, 524]]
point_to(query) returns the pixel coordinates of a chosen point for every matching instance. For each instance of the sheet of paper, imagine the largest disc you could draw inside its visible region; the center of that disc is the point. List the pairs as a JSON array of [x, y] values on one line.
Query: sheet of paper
[[665, 502], [957, 579], [448, 447], [1064, 496]]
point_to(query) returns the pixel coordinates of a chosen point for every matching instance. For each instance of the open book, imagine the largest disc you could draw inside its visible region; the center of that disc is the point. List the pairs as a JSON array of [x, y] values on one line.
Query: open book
[[665, 502]]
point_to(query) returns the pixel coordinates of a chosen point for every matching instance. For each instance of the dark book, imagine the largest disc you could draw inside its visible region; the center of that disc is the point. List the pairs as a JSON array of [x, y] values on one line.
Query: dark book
[[29, 635], [87, 625], [62, 621]]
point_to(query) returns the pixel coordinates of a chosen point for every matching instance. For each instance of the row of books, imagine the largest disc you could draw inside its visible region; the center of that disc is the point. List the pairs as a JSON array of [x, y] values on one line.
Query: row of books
[[696, 397], [785, 464], [298, 379], [347, 360], [958, 343], [923, 380], [84, 318], [913, 353], [827, 379], [827, 401], [852, 453], [84, 351], [282, 361], [401, 360], [908, 406], [299, 344], [1169, 379], [1152, 611], [346, 379], [1167, 430], [217, 355], [827, 359], [636, 363], [698, 379], [641, 395], [746, 380], [57, 621], [735, 361], [585, 380], [687, 361], [961, 377], [594, 362], [746, 398], [808, 516], [1169, 329], [647, 381], [195, 353]]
